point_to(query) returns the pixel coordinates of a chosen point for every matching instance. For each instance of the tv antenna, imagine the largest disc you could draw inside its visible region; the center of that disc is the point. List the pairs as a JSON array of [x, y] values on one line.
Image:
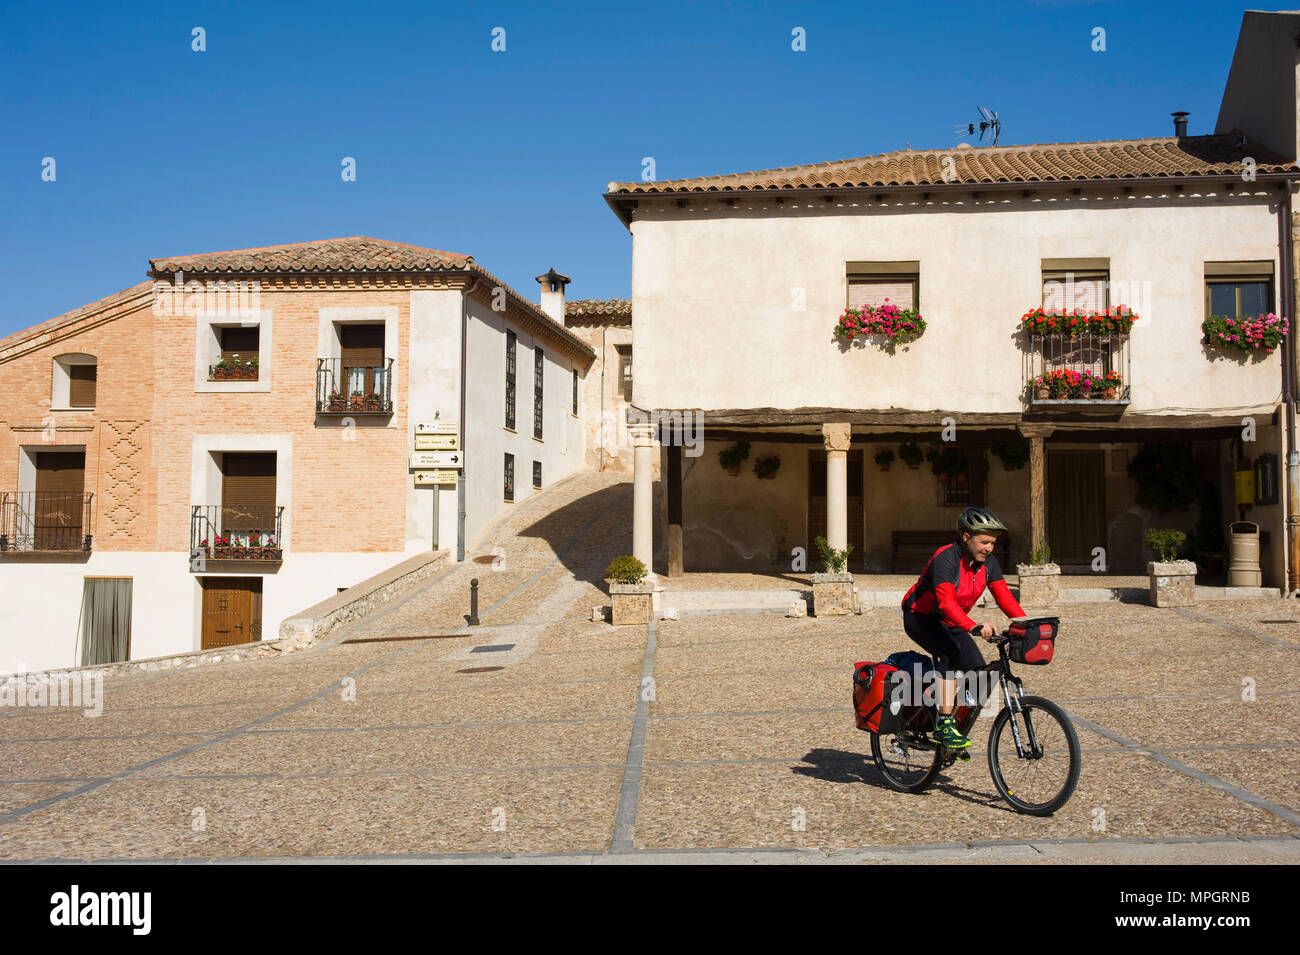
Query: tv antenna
[[988, 121]]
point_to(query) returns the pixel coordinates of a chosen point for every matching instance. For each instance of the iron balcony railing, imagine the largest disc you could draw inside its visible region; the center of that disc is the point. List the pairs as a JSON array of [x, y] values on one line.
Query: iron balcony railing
[[234, 532], [1077, 370], [353, 389], [45, 521]]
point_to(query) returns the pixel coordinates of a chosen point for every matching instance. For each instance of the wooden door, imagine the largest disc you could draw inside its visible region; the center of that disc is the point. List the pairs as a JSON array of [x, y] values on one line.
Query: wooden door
[[817, 508], [232, 611], [60, 500], [1076, 505]]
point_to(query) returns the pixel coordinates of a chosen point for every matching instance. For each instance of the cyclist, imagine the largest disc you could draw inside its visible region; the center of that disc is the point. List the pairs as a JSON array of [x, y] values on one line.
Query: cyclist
[[935, 608]]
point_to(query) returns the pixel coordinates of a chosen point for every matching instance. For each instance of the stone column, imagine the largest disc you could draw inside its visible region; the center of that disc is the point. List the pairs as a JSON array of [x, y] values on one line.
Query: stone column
[[642, 493], [836, 438]]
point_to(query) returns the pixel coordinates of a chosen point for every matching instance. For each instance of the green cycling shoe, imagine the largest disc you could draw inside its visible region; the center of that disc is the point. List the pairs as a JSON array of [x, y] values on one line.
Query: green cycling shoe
[[946, 733]]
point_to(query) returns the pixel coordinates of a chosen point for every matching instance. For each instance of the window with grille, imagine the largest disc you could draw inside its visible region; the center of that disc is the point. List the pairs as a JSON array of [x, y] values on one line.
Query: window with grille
[[1087, 290], [538, 376], [537, 474], [510, 380], [625, 370], [510, 477]]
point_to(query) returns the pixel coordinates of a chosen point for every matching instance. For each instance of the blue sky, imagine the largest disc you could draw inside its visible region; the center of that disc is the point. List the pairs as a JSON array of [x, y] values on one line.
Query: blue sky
[[161, 150]]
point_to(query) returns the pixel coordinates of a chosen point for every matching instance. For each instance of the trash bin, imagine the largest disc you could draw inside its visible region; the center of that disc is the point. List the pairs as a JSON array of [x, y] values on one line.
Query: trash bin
[[1243, 554]]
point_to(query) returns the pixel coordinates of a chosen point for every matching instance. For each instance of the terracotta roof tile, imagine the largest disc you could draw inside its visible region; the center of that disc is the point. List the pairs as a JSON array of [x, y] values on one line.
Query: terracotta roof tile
[[354, 254], [1120, 159], [598, 308]]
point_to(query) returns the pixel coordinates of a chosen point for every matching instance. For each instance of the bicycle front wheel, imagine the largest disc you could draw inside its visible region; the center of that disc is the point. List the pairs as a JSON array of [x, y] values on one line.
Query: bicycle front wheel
[[1040, 781]]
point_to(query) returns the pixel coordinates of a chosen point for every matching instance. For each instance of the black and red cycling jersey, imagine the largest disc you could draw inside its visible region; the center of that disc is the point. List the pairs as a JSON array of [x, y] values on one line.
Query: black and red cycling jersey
[[950, 585]]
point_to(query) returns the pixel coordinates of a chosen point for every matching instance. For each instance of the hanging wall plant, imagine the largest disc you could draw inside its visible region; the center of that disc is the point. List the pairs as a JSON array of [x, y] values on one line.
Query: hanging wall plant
[[767, 467], [950, 462], [1167, 477], [911, 454], [894, 325], [1014, 454], [1254, 336], [884, 458], [732, 456]]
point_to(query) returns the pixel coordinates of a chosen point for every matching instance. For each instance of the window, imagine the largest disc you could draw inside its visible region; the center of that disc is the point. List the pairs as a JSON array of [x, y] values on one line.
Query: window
[[880, 283], [105, 629], [1238, 289], [539, 374], [362, 351], [1083, 289], [1082, 284], [510, 477], [75, 377], [625, 370], [575, 393], [537, 474], [239, 342], [510, 380]]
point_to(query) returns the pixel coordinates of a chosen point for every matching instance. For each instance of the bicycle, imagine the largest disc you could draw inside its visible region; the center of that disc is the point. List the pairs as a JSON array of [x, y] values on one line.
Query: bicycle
[[1037, 752]]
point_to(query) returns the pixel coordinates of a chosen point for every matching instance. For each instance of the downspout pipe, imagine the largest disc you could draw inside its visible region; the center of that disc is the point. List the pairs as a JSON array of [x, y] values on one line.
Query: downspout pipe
[[464, 431], [1289, 374]]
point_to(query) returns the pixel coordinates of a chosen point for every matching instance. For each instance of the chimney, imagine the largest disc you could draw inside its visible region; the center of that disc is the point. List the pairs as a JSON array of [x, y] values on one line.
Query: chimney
[[1180, 123], [553, 294]]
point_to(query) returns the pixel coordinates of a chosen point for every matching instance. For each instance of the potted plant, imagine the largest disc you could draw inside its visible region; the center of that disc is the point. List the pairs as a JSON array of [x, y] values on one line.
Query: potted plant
[[373, 401], [884, 458], [1040, 579], [833, 587], [911, 454], [1110, 385], [1042, 390], [1172, 581], [1014, 454], [338, 401], [732, 456], [220, 547], [356, 401], [948, 463], [631, 591], [767, 467]]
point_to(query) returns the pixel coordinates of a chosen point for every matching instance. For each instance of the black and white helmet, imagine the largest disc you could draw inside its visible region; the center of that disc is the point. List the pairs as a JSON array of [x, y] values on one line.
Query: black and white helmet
[[978, 520]]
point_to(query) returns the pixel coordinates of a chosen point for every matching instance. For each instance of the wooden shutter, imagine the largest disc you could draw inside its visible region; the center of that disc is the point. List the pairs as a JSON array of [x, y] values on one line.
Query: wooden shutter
[[1086, 291], [81, 386], [248, 492], [362, 348], [243, 342], [60, 500], [898, 290]]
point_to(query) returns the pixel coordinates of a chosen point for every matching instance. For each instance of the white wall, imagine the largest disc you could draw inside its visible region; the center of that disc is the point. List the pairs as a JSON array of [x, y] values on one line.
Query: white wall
[[433, 367], [714, 325]]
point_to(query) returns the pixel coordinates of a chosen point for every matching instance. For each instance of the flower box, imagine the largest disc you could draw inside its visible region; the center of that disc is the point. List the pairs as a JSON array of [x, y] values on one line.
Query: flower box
[[1253, 336], [832, 594], [1114, 321], [884, 324], [231, 372], [1172, 583], [1040, 584], [631, 604]]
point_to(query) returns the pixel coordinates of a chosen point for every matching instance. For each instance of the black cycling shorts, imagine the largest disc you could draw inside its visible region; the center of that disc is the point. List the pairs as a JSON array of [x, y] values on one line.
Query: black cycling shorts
[[953, 649]]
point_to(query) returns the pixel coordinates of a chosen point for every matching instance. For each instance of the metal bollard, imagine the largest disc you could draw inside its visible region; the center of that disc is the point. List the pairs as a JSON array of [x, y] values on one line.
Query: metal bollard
[[473, 602]]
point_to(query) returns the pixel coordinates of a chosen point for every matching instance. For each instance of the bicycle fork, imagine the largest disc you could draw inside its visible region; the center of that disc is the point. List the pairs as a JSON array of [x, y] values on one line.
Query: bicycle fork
[[1013, 705]]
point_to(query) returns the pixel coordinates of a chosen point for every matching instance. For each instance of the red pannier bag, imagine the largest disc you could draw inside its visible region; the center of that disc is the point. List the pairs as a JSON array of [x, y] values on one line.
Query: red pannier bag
[[870, 684], [1032, 640]]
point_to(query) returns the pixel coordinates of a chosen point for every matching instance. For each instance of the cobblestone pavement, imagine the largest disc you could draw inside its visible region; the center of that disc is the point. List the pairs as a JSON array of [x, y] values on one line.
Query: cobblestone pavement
[[709, 738]]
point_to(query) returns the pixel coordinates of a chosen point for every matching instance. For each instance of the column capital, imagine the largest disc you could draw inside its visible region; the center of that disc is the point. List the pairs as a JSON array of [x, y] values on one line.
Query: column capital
[[1033, 429], [642, 433], [837, 435]]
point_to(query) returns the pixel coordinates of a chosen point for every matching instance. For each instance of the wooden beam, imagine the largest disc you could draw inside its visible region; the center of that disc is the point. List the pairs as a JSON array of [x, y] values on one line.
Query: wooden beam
[[1037, 495], [674, 480]]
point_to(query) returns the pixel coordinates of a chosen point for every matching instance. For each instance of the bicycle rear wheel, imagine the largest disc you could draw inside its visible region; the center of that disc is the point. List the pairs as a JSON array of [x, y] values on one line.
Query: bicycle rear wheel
[[906, 767], [1042, 781]]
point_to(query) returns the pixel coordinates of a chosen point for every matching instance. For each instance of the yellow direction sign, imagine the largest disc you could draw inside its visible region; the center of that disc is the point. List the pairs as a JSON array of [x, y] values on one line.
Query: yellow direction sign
[[437, 442], [435, 477]]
